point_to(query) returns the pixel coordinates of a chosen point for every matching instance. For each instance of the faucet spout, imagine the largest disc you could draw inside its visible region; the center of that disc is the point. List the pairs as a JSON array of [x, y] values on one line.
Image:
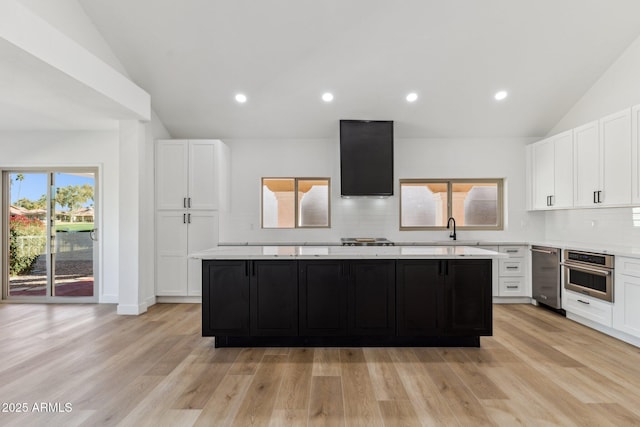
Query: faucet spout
[[453, 234]]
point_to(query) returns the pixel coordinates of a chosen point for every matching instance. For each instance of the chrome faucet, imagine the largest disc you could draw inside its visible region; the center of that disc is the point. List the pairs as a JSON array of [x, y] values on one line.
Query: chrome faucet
[[452, 235]]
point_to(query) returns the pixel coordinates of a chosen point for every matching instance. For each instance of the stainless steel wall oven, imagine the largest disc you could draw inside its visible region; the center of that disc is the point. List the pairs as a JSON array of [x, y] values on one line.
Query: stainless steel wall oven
[[589, 273]]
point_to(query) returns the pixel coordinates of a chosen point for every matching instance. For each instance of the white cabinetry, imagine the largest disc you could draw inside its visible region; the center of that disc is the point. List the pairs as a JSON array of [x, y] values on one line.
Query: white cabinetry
[[191, 182], [552, 170], [626, 307], [592, 309], [635, 157], [512, 272], [602, 154]]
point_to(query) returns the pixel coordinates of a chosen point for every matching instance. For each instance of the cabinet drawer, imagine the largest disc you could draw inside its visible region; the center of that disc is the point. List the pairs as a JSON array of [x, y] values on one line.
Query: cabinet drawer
[[513, 251], [512, 287], [511, 267], [589, 308], [628, 266]]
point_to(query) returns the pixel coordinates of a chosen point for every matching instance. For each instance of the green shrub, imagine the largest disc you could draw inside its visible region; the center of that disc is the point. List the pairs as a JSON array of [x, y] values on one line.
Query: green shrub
[[27, 241]]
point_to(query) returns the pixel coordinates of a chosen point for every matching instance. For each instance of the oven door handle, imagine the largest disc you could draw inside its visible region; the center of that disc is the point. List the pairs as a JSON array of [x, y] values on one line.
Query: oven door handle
[[586, 269]]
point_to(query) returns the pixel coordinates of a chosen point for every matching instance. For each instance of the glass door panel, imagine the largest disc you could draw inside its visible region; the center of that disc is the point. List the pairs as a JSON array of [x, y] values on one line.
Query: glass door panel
[[28, 260], [72, 234]]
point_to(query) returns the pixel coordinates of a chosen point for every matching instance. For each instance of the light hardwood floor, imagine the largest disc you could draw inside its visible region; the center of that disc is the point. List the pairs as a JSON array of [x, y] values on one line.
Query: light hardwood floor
[[156, 370]]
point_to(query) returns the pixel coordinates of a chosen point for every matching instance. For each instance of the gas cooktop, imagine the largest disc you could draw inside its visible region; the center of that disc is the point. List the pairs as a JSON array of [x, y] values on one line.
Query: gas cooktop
[[365, 241]]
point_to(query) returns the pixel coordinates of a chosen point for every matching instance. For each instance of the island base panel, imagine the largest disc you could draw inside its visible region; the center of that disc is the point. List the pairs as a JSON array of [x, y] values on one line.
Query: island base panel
[[376, 341]]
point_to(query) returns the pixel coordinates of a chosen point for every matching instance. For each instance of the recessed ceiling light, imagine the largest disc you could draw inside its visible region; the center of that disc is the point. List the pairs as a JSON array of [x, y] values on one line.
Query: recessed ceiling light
[[241, 98], [412, 97], [499, 96], [327, 97]]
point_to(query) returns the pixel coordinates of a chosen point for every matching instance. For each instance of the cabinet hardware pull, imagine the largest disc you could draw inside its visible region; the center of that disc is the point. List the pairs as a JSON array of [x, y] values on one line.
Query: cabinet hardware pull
[[599, 194], [512, 251], [512, 287], [189, 202], [594, 197], [512, 267], [584, 302], [184, 202], [188, 218], [184, 218]]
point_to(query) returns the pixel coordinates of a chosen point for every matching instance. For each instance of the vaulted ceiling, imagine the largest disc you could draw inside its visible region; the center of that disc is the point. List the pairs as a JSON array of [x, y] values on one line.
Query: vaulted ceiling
[[194, 56]]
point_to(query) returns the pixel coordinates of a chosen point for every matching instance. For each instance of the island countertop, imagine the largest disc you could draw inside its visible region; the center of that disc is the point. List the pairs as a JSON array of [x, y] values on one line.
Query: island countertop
[[346, 252]]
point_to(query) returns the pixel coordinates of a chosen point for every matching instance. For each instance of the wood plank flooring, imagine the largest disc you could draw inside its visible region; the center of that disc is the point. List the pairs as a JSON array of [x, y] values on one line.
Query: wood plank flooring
[[156, 370]]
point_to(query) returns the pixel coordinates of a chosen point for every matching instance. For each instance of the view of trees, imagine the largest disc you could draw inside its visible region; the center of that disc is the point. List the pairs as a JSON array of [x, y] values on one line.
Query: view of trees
[[71, 197]]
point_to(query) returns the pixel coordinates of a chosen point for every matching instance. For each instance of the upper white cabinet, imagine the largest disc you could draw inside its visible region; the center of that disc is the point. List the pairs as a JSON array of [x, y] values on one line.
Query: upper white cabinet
[[191, 174], [552, 172], [602, 156]]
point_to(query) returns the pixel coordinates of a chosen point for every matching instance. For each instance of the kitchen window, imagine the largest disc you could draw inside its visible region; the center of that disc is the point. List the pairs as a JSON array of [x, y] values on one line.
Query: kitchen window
[[476, 204], [296, 203]]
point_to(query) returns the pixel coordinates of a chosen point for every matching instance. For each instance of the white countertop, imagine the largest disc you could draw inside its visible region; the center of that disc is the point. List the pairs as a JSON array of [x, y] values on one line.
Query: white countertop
[[346, 252]]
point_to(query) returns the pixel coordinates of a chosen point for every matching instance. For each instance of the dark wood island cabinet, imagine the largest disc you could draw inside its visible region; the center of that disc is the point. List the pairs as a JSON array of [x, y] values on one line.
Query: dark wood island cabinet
[[347, 302]]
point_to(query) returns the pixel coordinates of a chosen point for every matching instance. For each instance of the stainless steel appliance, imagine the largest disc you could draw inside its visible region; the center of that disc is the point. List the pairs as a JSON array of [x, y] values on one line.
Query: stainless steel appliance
[[365, 241], [589, 273], [545, 276]]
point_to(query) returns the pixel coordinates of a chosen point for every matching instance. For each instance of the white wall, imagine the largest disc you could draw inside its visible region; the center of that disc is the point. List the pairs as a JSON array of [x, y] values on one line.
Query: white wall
[[617, 89], [78, 148], [70, 18], [413, 158]]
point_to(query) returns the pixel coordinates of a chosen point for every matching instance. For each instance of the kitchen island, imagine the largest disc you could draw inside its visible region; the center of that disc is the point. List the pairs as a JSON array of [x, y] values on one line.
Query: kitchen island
[[347, 296]]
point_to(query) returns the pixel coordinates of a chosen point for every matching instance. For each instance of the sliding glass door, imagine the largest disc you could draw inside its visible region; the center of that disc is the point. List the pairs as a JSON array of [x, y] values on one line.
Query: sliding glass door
[[50, 235]]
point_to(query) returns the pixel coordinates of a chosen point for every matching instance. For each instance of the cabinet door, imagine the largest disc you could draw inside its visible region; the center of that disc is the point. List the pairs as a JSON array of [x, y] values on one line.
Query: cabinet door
[[203, 175], [171, 253], [419, 290], [635, 154], [323, 298], [587, 171], [468, 298], [225, 299], [202, 233], [563, 170], [372, 301], [274, 298], [543, 169], [171, 174], [615, 136], [626, 315]]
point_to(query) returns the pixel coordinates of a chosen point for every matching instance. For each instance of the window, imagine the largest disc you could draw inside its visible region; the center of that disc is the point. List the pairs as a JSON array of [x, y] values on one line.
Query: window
[[427, 204], [295, 203]]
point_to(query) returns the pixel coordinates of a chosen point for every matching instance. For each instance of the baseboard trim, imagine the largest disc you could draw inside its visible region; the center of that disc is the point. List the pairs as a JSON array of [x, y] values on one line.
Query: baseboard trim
[[131, 309], [179, 300], [108, 299], [511, 300]]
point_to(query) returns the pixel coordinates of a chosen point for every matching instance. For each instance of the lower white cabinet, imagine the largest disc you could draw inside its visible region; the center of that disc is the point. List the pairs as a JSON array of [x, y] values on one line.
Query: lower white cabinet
[[513, 272], [512, 286], [179, 233], [590, 308], [626, 308]]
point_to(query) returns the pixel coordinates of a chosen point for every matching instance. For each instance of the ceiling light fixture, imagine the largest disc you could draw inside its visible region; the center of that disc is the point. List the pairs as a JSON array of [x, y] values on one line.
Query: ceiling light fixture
[[499, 96], [412, 97], [327, 97], [241, 98]]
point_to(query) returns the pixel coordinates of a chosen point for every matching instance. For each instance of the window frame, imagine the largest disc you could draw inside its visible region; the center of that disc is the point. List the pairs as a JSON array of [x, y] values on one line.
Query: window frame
[[296, 202], [450, 182]]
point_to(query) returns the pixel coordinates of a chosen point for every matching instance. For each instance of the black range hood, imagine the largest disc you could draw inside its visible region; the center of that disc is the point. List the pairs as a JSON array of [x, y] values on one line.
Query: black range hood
[[366, 158]]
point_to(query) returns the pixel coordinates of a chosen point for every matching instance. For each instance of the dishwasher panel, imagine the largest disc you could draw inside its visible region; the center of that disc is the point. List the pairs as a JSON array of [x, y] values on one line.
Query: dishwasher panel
[[545, 276]]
